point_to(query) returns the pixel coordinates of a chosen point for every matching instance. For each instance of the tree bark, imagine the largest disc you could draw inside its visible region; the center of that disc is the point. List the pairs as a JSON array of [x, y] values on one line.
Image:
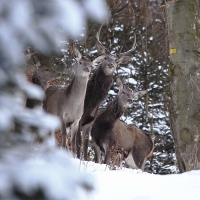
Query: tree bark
[[183, 20]]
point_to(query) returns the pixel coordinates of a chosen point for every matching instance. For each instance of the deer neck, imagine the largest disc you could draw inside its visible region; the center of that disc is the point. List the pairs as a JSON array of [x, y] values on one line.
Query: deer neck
[[112, 113], [97, 90], [100, 81], [77, 88]]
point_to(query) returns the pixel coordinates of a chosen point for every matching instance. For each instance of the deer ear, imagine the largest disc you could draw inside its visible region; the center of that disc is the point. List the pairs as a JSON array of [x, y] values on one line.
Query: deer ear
[[98, 60], [124, 59], [119, 84], [77, 54], [140, 93], [100, 48]]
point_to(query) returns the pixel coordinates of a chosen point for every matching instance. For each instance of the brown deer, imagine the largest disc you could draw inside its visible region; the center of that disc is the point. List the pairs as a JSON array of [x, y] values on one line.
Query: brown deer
[[99, 86], [108, 131], [68, 102], [40, 78], [36, 74]]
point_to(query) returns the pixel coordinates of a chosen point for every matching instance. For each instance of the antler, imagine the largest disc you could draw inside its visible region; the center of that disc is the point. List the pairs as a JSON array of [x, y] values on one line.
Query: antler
[[100, 48], [132, 49], [136, 88], [98, 33], [76, 53]]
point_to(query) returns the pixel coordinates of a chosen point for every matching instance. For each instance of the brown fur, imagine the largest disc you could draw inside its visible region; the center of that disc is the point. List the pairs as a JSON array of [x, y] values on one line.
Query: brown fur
[[40, 78], [108, 130], [67, 102], [98, 88]]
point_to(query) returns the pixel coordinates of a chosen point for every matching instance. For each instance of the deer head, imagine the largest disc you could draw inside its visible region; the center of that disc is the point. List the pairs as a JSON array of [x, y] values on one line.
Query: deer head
[[126, 95], [43, 77], [83, 65], [107, 60], [110, 61]]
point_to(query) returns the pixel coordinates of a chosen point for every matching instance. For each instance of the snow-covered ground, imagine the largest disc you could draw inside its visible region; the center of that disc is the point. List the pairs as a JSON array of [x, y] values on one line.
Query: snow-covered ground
[[128, 184], [59, 176]]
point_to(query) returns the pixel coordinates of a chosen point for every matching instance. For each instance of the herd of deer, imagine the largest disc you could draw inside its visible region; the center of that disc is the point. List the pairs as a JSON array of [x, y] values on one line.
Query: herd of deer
[[77, 106]]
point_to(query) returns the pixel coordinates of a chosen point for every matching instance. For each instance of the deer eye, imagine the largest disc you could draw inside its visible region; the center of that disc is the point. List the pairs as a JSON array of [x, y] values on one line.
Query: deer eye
[[124, 92], [80, 63], [105, 58]]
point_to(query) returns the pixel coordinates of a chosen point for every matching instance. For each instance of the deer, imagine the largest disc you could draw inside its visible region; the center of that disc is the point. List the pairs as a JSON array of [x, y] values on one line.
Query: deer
[[108, 131], [67, 102], [37, 74], [98, 87], [40, 78]]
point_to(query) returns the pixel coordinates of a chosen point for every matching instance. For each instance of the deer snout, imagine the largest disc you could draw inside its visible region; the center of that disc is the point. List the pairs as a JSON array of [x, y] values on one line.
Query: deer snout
[[130, 101], [110, 66], [85, 69]]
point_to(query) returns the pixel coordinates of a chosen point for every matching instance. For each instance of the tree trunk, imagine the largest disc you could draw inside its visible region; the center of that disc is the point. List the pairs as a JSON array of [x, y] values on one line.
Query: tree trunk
[[183, 20]]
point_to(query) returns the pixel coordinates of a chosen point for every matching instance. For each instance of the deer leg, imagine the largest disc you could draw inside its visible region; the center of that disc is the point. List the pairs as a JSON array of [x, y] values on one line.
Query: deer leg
[[139, 158], [130, 160], [68, 139], [97, 153], [78, 141], [53, 135], [107, 158], [64, 135], [85, 140], [143, 164], [74, 129]]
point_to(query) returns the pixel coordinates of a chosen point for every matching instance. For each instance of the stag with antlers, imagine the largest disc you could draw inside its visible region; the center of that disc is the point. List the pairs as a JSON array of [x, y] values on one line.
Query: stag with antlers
[[99, 86]]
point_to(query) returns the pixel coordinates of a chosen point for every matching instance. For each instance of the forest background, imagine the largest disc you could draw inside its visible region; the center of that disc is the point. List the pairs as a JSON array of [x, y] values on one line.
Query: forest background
[[31, 170], [147, 69]]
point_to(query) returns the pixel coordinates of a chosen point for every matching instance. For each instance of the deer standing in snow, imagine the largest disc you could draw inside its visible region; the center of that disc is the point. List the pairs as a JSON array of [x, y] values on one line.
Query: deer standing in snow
[[108, 131]]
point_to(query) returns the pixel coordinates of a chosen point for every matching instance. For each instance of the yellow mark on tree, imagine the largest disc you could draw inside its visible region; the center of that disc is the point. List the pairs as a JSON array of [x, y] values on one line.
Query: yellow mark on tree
[[172, 51]]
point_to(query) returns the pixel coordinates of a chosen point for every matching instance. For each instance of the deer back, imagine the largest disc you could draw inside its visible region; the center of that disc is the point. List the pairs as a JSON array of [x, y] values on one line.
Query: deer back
[[53, 95], [40, 78], [43, 77], [129, 137]]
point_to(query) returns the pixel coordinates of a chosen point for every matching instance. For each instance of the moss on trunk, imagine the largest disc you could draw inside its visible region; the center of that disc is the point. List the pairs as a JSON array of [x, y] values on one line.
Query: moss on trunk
[[184, 38]]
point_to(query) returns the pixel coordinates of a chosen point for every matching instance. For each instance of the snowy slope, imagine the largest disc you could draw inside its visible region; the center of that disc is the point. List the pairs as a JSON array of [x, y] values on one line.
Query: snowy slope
[[131, 184], [59, 176]]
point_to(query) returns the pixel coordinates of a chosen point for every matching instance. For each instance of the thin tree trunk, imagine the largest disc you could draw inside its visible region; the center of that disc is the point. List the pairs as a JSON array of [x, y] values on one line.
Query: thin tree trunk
[[183, 20]]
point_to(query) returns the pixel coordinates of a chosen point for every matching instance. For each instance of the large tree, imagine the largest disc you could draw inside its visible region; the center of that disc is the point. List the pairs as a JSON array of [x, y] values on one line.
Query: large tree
[[183, 20]]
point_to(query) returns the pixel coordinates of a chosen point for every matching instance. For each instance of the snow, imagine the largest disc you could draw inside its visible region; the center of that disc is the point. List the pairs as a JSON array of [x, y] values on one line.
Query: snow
[[51, 171], [132, 81], [126, 70], [132, 184], [112, 92], [96, 9], [63, 177], [50, 22], [118, 28], [127, 120], [27, 168]]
